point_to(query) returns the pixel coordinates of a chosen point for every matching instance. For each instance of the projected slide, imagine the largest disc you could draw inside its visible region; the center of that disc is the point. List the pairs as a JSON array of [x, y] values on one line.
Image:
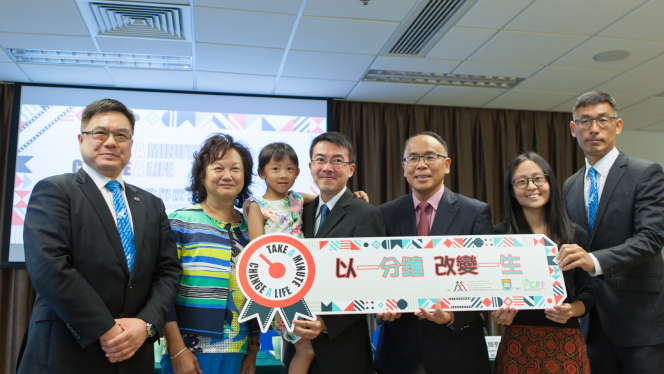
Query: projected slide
[[164, 145]]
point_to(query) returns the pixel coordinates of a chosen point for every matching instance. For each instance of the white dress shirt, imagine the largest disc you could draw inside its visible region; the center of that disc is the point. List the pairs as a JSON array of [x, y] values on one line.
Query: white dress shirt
[[602, 167], [330, 204], [100, 181]]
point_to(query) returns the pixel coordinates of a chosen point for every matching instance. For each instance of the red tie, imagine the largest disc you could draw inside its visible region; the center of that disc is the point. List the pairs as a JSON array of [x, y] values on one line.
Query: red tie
[[423, 226]]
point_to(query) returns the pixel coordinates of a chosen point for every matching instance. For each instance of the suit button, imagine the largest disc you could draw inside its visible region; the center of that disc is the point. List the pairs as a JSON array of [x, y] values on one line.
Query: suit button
[[131, 285], [120, 315]]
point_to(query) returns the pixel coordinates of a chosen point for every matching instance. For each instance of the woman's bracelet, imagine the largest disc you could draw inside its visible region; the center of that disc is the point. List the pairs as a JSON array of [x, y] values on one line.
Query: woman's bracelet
[[177, 354]]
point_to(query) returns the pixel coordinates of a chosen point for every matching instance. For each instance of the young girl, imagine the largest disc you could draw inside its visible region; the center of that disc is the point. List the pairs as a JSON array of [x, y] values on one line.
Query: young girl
[[280, 210]]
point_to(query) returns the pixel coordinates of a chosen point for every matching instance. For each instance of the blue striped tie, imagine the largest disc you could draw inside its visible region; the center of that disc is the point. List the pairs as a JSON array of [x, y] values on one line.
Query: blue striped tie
[[593, 198], [324, 211], [124, 226]]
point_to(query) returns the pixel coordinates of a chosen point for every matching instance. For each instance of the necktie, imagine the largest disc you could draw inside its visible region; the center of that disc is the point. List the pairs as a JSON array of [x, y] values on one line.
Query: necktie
[[324, 211], [423, 225], [593, 198], [124, 226]]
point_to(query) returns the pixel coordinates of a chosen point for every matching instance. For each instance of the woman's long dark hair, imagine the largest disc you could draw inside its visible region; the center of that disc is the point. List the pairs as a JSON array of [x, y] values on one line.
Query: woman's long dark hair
[[560, 228]]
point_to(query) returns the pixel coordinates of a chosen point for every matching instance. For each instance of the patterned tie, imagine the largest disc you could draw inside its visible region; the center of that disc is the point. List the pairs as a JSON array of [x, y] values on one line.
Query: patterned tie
[[423, 226], [124, 226], [324, 211], [593, 198]]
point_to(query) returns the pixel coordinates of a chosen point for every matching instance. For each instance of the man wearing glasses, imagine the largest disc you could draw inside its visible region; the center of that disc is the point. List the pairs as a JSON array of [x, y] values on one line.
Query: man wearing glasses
[[432, 341], [619, 200], [101, 256]]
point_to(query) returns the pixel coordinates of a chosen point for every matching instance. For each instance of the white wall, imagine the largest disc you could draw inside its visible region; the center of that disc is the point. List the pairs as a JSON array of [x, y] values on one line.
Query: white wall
[[648, 145]]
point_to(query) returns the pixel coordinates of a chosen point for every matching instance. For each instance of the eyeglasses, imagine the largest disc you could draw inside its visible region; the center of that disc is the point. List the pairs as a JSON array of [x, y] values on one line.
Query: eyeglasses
[[102, 134], [538, 180], [336, 162], [603, 122], [428, 159]]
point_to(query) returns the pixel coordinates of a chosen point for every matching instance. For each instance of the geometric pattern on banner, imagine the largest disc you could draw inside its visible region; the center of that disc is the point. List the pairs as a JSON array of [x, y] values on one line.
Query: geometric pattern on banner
[[30, 113]]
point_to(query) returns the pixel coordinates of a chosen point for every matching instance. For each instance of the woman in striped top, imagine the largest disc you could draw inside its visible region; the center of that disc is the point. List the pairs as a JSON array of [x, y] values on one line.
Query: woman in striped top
[[204, 334]]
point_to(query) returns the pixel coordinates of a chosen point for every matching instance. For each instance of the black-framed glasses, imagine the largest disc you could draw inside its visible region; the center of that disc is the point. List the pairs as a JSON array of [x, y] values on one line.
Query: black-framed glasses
[[602, 121], [538, 180], [428, 159], [102, 134], [335, 162]]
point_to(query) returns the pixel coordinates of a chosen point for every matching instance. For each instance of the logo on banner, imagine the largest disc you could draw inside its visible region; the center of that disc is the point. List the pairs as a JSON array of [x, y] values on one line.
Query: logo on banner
[[507, 284], [275, 272]]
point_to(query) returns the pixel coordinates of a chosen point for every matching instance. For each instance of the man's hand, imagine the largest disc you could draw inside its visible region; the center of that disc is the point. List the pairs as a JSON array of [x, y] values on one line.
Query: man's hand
[[572, 256], [439, 315], [309, 329], [185, 363], [249, 361], [389, 316], [504, 315], [112, 333], [124, 345], [361, 195], [559, 313]]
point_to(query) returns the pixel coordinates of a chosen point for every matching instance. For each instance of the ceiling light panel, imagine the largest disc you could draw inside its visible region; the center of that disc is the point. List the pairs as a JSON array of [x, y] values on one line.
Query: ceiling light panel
[[453, 80], [129, 60]]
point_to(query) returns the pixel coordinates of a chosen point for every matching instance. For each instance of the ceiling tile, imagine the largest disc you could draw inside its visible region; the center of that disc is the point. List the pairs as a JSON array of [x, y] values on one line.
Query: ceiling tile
[[634, 84], [389, 92], [281, 6], [529, 100], [67, 74], [460, 42], [424, 65], [10, 73], [460, 96], [493, 14], [639, 51], [383, 10], [165, 79], [4, 55], [526, 47], [42, 17], [144, 46], [567, 79], [497, 69], [313, 87], [638, 122], [656, 65], [342, 35], [656, 127], [48, 42], [644, 23], [245, 60], [304, 64], [653, 107], [622, 101], [571, 16], [235, 83], [238, 27]]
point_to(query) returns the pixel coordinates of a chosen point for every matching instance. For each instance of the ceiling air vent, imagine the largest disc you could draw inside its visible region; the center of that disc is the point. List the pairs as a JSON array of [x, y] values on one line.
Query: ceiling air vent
[[426, 25], [136, 20]]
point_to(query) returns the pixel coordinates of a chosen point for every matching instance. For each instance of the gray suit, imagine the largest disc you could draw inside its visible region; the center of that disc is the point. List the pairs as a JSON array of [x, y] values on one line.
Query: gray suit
[[627, 240]]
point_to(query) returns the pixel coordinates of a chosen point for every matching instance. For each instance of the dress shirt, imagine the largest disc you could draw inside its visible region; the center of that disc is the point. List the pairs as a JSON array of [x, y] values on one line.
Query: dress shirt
[[100, 181], [330, 204], [434, 200], [602, 167]]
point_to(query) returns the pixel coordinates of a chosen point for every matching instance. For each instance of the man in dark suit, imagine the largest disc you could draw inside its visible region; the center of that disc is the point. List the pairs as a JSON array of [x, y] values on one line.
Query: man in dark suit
[[341, 343], [101, 256], [619, 200], [438, 342]]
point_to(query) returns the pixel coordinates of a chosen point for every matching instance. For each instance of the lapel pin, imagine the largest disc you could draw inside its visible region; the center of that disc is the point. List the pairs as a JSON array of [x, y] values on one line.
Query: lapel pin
[[136, 198]]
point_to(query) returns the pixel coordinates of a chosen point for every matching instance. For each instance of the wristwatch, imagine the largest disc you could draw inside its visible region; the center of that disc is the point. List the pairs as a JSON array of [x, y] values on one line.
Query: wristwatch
[[152, 331], [257, 344]]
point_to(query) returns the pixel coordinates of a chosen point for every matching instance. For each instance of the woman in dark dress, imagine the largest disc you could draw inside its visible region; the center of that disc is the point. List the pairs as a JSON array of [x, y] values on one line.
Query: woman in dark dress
[[548, 341]]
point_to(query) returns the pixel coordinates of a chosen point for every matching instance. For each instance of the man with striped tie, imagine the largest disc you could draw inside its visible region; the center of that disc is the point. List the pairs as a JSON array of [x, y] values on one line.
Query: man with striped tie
[[619, 200], [101, 257]]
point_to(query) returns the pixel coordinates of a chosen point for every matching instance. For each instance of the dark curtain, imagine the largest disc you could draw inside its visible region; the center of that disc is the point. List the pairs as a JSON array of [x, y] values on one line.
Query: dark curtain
[[16, 292], [482, 143]]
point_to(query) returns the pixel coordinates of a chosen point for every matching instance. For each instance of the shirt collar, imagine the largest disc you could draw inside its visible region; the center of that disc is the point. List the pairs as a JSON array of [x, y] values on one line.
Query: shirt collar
[[604, 164], [101, 180], [332, 202], [434, 200]]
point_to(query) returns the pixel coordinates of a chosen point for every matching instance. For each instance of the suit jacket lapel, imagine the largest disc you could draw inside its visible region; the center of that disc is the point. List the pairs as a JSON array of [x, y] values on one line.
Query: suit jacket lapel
[[579, 199], [336, 214], [309, 218], [445, 213], [137, 208], [615, 174], [97, 201], [406, 216]]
